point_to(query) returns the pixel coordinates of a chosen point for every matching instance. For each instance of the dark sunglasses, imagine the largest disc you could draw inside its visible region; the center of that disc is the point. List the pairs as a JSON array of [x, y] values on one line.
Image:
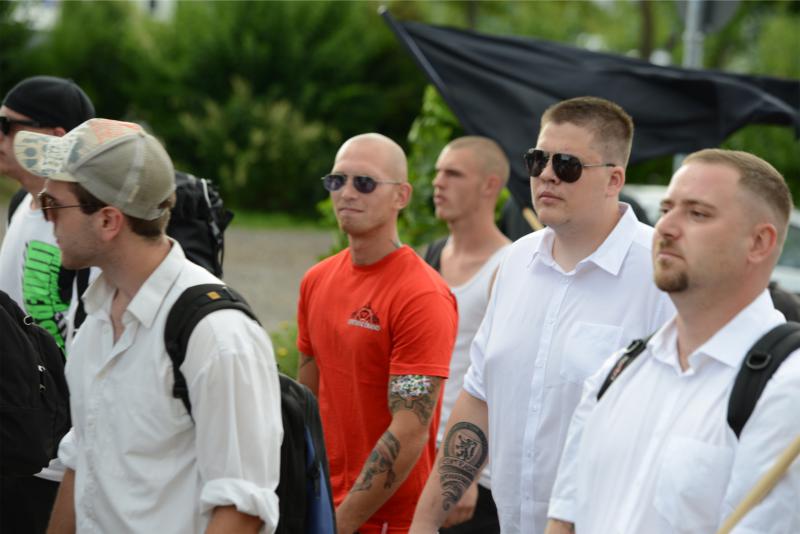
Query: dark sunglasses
[[568, 168], [363, 184], [6, 124], [47, 203]]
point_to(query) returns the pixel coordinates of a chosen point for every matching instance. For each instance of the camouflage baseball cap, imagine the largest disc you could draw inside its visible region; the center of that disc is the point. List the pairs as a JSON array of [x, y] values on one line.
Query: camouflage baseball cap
[[117, 162]]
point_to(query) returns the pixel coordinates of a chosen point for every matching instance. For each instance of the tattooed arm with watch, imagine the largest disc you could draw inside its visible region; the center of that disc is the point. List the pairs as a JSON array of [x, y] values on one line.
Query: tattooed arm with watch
[[461, 458], [412, 403]]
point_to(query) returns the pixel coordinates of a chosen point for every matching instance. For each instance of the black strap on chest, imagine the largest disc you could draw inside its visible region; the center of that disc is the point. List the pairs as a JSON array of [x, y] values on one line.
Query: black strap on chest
[[761, 362], [193, 304], [635, 348]]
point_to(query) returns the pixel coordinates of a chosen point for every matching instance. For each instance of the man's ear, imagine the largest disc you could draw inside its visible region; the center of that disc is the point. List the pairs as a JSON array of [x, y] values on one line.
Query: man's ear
[[492, 184], [403, 195], [615, 181], [111, 222], [763, 242]]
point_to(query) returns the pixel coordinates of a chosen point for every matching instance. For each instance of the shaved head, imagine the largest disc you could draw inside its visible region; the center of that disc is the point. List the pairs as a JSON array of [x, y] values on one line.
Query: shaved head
[[384, 153], [488, 155]]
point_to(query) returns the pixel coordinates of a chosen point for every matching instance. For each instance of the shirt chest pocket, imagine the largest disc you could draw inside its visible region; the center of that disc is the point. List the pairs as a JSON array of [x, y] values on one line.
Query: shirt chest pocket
[[691, 483], [586, 347]]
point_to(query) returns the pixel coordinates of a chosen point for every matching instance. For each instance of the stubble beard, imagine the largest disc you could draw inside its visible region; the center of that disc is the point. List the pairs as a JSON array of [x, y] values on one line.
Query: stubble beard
[[674, 282]]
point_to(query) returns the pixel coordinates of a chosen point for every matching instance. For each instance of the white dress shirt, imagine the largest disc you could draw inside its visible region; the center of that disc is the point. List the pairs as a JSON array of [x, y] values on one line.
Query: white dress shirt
[[656, 455], [545, 331], [141, 464]]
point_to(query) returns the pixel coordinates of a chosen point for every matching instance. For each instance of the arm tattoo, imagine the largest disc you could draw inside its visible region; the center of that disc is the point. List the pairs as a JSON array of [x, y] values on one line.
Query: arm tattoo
[[417, 393], [465, 450], [381, 460], [305, 360]]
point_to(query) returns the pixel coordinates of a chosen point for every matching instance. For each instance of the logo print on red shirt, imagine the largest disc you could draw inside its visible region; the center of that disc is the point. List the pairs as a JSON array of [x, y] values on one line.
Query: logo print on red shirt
[[365, 317]]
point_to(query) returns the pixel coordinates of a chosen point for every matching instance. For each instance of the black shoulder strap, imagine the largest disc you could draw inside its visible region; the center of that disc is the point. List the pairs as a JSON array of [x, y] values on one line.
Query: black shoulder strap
[[635, 348], [191, 307], [433, 255], [758, 366], [16, 200]]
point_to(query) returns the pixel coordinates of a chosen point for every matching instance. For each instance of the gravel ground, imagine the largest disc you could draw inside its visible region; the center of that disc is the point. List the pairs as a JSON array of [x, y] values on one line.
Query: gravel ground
[[265, 265]]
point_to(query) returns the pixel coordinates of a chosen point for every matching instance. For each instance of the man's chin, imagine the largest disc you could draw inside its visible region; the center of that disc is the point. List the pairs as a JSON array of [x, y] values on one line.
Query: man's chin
[[672, 283]]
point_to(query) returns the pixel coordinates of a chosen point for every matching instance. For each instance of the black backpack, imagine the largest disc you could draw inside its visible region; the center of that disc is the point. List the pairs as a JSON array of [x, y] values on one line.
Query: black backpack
[[760, 363], [34, 400], [304, 491], [199, 220]]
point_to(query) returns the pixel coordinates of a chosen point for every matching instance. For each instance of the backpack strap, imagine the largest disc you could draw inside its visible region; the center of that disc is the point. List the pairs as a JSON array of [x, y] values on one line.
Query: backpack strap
[[433, 254], [758, 366], [191, 307], [633, 350]]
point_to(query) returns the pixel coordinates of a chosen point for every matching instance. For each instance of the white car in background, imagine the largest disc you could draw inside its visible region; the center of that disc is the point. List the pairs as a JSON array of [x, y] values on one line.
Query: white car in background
[[786, 273]]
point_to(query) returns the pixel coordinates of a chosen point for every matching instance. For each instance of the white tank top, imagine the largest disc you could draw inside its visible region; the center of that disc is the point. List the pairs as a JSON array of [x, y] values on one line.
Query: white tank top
[[472, 298]]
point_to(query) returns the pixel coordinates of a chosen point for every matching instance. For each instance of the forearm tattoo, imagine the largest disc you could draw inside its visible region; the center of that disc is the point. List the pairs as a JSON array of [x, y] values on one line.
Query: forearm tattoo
[[417, 393], [381, 460], [465, 450]]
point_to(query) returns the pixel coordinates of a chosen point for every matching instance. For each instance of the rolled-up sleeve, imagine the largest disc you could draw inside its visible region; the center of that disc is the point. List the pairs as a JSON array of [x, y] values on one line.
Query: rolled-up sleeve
[[233, 383], [68, 449]]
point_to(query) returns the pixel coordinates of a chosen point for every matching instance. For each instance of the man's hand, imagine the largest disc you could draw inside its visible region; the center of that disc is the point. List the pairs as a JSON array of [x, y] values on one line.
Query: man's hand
[[464, 508], [556, 526]]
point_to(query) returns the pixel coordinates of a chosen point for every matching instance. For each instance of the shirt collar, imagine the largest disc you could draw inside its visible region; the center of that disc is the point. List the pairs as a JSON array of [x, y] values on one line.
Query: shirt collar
[[729, 344], [148, 299], [609, 256]]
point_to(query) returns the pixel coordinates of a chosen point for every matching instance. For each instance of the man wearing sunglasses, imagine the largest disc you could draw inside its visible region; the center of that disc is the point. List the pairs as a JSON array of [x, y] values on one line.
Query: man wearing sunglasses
[[30, 262], [565, 298], [376, 328], [137, 460]]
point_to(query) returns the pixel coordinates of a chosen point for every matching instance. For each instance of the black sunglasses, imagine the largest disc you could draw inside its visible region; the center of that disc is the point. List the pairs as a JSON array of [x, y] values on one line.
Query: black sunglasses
[[6, 124], [363, 184], [568, 168], [48, 203]]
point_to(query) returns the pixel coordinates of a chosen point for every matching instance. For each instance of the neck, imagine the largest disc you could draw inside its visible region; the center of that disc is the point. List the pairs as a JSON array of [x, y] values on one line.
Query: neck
[[700, 316], [573, 244], [366, 250], [32, 184], [475, 235], [128, 276]]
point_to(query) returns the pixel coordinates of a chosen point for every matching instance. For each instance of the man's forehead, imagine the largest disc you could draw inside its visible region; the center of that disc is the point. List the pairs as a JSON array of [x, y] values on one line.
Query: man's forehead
[[711, 184]]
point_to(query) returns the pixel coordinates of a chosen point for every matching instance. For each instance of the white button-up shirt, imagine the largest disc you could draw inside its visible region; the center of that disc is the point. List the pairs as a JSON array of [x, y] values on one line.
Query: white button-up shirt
[[656, 455], [545, 331], [141, 464]]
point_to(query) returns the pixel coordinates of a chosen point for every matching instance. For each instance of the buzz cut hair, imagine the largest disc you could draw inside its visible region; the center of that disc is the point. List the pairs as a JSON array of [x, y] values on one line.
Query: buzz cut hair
[[610, 125], [490, 156], [757, 178]]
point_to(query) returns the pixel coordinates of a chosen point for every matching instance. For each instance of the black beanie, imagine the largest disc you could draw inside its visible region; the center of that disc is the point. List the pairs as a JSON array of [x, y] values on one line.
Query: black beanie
[[50, 101]]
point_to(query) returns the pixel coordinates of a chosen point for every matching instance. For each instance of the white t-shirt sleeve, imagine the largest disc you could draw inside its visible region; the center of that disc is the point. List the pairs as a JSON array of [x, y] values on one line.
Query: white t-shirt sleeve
[[473, 379]]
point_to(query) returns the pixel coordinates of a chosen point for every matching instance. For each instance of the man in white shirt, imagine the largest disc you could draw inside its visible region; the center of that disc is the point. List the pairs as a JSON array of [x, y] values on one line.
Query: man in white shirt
[[656, 454], [136, 460], [470, 174], [564, 299]]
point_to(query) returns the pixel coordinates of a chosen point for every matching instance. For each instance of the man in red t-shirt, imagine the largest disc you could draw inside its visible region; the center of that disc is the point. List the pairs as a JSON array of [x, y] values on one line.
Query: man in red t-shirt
[[376, 328]]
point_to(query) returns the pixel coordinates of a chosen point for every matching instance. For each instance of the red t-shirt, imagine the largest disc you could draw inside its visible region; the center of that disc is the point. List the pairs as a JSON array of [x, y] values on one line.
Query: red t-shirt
[[362, 324]]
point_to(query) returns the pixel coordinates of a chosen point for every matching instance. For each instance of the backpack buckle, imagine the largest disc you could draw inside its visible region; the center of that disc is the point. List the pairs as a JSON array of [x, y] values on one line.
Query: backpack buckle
[[758, 360]]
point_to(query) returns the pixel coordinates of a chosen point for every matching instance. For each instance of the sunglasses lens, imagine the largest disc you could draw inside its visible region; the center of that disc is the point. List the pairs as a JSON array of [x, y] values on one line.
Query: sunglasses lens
[[333, 182], [364, 184], [567, 168], [536, 161]]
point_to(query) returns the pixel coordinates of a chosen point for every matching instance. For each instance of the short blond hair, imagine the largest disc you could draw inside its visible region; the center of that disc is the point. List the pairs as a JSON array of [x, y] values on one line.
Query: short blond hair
[[490, 156], [757, 177], [610, 126]]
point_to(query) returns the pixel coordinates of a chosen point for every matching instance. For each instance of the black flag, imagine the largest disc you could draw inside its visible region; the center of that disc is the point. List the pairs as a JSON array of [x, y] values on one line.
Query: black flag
[[499, 86]]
